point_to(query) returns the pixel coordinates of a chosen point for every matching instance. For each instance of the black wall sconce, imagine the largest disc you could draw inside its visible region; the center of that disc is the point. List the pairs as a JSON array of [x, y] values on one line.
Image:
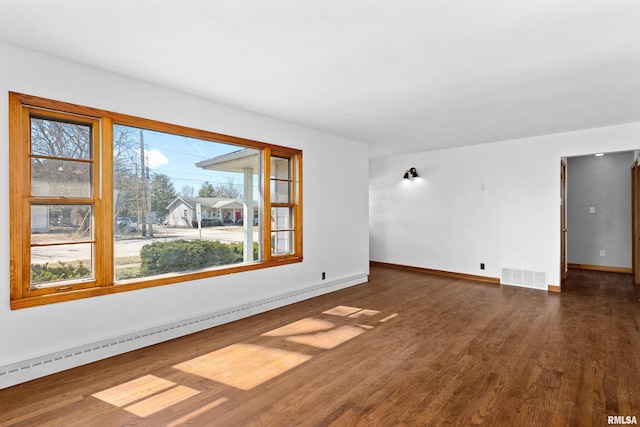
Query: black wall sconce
[[412, 171]]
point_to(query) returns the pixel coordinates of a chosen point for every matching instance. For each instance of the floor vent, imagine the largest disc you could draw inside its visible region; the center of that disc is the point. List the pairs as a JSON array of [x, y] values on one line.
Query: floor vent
[[525, 278], [26, 370]]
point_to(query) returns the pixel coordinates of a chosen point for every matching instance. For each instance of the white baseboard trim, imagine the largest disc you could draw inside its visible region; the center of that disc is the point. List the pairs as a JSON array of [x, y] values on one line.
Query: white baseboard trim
[[37, 367]]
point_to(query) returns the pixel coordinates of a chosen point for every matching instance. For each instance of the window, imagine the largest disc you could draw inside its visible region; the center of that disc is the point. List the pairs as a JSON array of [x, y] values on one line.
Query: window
[[103, 202], [282, 205]]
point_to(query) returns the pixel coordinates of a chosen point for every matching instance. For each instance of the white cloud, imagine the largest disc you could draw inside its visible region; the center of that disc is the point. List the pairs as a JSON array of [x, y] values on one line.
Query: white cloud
[[154, 158]]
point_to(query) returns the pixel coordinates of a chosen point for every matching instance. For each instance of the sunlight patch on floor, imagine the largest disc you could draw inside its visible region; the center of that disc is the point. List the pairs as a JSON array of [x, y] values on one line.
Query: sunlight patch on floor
[[243, 366], [363, 313], [145, 395], [389, 317], [342, 310], [131, 391], [353, 312], [329, 339], [161, 401], [304, 326]]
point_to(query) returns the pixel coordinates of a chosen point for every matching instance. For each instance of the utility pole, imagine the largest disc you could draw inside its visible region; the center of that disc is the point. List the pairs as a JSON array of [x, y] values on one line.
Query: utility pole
[[149, 219], [143, 181]]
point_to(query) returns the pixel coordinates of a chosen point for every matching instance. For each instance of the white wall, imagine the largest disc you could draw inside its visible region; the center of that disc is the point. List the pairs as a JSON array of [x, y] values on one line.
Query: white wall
[[334, 242], [497, 203]]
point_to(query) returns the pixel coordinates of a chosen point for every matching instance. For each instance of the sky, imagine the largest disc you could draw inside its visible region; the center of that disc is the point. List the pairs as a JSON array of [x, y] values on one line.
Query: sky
[[176, 156]]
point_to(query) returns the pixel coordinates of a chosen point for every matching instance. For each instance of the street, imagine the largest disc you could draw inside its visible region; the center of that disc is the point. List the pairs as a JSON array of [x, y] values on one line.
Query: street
[[129, 245]]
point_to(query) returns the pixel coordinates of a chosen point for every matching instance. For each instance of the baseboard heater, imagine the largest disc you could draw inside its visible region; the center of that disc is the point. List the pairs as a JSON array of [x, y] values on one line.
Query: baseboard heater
[[37, 367], [525, 278]]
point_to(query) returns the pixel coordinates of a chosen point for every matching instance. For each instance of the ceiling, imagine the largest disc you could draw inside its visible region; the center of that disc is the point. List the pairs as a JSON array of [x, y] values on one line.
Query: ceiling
[[401, 76]]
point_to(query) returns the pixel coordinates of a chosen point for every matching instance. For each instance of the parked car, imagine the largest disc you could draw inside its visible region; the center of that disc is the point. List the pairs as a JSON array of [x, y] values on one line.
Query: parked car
[[122, 222], [125, 224]]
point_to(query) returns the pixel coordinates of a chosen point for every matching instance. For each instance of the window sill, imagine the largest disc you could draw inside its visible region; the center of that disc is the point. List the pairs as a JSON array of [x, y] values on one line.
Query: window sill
[[134, 284]]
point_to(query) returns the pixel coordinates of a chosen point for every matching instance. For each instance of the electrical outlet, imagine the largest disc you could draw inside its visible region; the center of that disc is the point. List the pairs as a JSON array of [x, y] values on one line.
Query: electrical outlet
[[602, 252], [482, 266], [324, 276]]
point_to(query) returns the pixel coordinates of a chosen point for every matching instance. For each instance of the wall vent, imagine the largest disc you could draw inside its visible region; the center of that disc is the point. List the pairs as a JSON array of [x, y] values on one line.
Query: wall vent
[[525, 278], [37, 367]]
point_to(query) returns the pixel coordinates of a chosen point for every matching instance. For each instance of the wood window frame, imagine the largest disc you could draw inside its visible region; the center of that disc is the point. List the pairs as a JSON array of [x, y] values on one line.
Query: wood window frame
[[295, 202], [22, 295]]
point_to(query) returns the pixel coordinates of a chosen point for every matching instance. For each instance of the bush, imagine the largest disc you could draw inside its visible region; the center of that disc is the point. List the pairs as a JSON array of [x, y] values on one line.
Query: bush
[[44, 273], [185, 255]]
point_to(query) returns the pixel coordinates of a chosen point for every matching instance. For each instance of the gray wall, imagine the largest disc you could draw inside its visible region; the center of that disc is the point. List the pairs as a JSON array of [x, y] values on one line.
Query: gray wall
[[604, 184]]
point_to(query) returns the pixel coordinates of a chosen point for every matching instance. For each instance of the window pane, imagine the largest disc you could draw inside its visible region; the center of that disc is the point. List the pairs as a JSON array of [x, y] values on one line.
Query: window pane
[[51, 265], [279, 168], [281, 218], [60, 139], [59, 178], [61, 223], [280, 191], [281, 242], [179, 203]]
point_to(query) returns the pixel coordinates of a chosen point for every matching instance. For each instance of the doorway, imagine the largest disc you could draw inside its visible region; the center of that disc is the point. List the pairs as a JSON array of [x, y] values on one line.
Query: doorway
[[600, 213]]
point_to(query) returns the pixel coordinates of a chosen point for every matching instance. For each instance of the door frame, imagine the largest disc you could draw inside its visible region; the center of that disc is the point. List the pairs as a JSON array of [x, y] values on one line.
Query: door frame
[[635, 221], [563, 222]]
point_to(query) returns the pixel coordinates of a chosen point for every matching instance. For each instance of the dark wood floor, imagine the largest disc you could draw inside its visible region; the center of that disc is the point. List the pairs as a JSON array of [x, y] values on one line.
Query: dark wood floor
[[405, 349]]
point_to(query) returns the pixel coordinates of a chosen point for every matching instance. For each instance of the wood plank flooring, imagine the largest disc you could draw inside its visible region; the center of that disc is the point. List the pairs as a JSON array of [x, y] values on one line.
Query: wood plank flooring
[[405, 349]]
